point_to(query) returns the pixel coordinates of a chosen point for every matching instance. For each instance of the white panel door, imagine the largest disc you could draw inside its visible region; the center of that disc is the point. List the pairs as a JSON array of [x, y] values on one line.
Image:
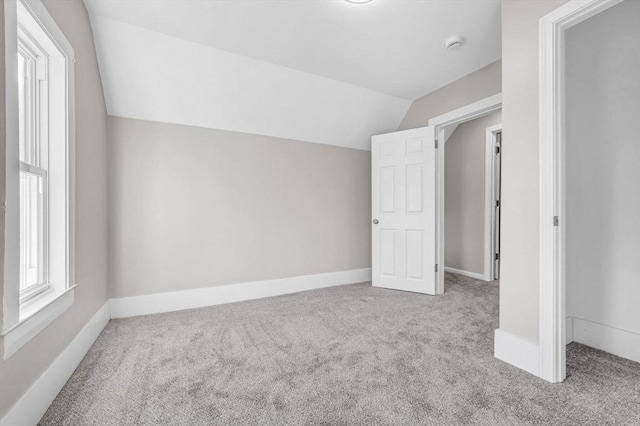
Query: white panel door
[[404, 210]]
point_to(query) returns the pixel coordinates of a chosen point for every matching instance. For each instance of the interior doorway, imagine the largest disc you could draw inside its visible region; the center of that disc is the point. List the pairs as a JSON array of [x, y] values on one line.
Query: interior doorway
[[489, 151], [408, 194], [602, 213], [472, 197], [589, 194], [496, 198]]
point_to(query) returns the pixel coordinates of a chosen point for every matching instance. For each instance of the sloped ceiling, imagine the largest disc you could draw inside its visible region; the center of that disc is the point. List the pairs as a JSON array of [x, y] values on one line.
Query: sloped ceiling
[[323, 71]]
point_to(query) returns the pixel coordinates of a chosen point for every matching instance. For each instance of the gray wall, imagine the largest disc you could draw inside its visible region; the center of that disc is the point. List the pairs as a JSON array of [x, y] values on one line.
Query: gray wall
[[519, 242], [464, 207], [603, 168], [193, 207], [19, 372], [478, 85]]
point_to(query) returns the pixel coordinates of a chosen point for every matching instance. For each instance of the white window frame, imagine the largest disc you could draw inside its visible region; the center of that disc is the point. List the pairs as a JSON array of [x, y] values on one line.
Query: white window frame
[[39, 130], [23, 320]]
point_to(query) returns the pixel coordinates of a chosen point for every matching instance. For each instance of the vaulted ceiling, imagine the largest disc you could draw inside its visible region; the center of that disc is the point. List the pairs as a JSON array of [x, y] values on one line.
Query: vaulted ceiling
[[324, 71]]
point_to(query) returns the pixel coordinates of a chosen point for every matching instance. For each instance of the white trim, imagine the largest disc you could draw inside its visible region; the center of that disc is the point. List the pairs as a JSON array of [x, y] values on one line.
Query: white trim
[[457, 116], [34, 403], [517, 352], [468, 112], [210, 296], [616, 341], [489, 200], [14, 313], [39, 313], [474, 275], [440, 219], [551, 169], [11, 300]]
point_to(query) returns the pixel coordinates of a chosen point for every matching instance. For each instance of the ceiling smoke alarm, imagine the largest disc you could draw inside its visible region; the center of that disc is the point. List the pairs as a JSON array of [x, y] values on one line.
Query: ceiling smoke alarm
[[454, 43]]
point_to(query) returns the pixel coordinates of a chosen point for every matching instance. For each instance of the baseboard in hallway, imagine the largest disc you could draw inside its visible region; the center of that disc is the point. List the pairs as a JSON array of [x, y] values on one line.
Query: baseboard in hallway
[[201, 297], [473, 275], [623, 343]]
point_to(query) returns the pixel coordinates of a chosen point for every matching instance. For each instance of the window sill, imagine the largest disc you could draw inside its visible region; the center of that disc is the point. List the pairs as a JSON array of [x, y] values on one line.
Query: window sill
[[35, 316]]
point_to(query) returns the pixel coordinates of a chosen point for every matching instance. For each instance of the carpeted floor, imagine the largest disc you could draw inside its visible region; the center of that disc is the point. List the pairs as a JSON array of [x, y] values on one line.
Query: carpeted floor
[[344, 355]]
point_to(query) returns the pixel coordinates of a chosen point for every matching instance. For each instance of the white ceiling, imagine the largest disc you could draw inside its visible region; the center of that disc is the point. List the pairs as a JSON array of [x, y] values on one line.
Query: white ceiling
[[323, 71], [391, 46]]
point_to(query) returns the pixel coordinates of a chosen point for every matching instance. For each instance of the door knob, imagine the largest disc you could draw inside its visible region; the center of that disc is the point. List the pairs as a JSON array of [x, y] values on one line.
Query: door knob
[[375, 221]]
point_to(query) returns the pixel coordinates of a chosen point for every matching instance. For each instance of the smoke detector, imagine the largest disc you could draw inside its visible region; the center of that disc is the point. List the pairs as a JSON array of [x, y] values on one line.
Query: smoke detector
[[454, 43]]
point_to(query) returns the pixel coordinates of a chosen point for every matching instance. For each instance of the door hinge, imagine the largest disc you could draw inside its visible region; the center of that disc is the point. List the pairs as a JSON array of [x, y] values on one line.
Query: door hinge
[[435, 143], [436, 267], [556, 221], [497, 203], [497, 256], [497, 150]]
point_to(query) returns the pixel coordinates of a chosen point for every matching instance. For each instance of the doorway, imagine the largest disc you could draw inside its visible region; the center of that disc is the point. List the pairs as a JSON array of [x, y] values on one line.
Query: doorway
[[496, 183], [408, 194], [445, 126], [472, 197], [588, 138]]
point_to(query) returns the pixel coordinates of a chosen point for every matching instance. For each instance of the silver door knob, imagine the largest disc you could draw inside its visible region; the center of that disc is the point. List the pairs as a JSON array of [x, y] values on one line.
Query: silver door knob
[[375, 221]]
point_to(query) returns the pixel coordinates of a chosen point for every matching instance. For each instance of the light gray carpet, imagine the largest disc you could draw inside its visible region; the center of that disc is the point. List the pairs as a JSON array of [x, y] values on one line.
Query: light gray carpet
[[343, 355]]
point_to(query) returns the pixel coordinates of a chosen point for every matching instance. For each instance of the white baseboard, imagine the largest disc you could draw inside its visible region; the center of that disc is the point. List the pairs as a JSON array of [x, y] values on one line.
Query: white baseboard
[[198, 298], [622, 343], [466, 273], [34, 403], [517, 352], [36, 400]]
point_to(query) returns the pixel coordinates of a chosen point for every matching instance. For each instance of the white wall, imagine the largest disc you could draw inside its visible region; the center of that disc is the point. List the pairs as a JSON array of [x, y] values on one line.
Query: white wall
[[464, 194], [192, 207], [603, 169]]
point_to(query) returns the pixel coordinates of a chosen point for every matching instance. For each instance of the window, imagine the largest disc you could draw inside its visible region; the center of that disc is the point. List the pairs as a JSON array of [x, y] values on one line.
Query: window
[[39, 192], [32, 131]]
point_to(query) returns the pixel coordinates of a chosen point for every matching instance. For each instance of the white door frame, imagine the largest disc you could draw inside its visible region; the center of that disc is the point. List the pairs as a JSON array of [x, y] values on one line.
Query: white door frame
[[552, 235], [490, 200], [466, 113]]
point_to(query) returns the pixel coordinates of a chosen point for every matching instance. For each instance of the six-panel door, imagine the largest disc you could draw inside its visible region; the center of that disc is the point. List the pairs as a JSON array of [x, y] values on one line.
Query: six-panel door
[[404, 210]]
